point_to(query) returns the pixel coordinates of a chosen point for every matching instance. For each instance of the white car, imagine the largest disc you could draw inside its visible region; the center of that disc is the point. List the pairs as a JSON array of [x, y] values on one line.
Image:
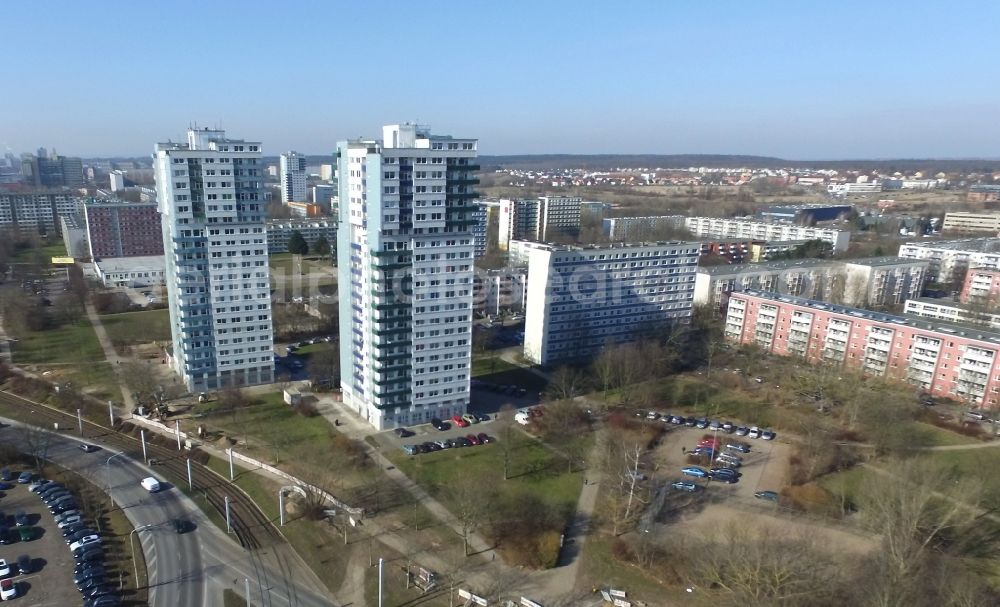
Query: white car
[[8, 590], [522, 418], [4, 568], [754, 432], [83, 542]]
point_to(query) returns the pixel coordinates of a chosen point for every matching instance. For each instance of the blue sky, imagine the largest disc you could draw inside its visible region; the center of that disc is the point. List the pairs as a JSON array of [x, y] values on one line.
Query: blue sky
[[803, 80]]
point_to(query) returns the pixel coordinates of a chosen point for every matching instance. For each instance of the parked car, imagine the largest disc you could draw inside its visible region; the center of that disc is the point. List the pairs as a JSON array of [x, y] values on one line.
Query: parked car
[[103, 601], [458, 421], [684, 486], [742, 431], [90, 555], [65, 515], [85, 542], [739, 447], [404, 432], [54, 496], [39, 484], [728, 427], [429, 446], [767, 435], [88, 448], [677, 420], [21, 518], [462, 441], [4, 568], [23, 564], [25, 477], [470, 418], [5, 474], [88, 573], [8, 590], [26, 533], [730, 462], [48, 488], [411, 449], [690, 422], [701, 424], [754, 432], [771, 496], [439, 425], [78, 535], [695, 471], [484, 438], [726, 475]]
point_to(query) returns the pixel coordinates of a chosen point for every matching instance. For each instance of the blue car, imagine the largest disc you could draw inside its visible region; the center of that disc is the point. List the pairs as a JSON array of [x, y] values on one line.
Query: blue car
[[25, 477], [695, 471]]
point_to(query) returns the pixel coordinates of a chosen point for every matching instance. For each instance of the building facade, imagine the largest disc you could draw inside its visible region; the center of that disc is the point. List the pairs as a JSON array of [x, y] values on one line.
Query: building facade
[[716, 227], [875, 281], [74, 235], [405, 257], [210, 193], [581, 298], [502, 289], [279, 231], [631, 229], [942, 359], [518, 220], [37, 212], [292, 172], [479, 229], [949, 310], [950, 259], [981, 286], [971, 222], [123, 229], [540, 219]]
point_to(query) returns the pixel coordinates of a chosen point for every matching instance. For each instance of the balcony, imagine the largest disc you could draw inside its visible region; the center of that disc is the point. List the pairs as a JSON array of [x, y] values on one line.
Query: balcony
[[464, 180], [463, 167]]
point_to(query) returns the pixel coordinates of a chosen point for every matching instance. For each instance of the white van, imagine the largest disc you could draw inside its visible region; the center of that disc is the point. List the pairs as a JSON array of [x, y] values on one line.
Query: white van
[[150, 484]]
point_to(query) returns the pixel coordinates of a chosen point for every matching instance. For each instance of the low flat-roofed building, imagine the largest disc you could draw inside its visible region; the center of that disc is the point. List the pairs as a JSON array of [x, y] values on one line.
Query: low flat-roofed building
[[964, 223], [145, 271]]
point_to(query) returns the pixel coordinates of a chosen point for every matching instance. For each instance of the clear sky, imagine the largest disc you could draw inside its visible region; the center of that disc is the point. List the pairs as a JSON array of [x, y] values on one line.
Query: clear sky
[[796, 79]]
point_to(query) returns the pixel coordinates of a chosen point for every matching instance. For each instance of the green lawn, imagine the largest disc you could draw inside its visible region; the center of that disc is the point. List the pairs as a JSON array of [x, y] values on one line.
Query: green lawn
[[55, 248], [973, 463], [72, 353], [274, 430], [138, 327], [288, 263], [535, 469], [932, 436], [489, 365]]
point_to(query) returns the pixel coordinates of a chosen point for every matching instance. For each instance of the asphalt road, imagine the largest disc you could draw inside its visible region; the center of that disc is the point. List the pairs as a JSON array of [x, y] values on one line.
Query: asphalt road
[[184, 569]]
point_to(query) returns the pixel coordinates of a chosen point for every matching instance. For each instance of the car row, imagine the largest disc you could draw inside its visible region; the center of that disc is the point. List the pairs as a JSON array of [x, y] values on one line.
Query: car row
[[462, 421], [726, 475], [706, 424], [462, 441], [89, 573]]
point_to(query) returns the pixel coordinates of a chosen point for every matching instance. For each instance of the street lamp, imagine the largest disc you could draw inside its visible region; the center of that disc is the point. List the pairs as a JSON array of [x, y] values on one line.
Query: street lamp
[[107, 474], [132, 546]]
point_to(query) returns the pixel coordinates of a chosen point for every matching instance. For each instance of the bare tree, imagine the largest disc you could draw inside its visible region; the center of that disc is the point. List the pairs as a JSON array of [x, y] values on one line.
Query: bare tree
[[566, 383], [37, 442], [470, 498], [507, 436]]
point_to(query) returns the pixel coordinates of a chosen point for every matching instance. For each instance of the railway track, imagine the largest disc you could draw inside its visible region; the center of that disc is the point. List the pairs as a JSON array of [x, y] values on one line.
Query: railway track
[[252, 527]]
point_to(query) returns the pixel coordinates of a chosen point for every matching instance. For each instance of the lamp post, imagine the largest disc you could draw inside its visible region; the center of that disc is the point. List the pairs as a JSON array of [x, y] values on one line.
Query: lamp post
[[107, 474], [132, 546]]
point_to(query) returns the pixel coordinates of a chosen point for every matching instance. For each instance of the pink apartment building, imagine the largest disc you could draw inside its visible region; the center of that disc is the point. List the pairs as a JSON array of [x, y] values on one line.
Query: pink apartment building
[[944, 359], [981, 284]]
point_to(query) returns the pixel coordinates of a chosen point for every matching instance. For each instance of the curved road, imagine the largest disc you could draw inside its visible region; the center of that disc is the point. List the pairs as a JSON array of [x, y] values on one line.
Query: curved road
[[184, 569]]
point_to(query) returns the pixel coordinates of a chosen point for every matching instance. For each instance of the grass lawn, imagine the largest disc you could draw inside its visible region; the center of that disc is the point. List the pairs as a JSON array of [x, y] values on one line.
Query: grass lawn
[[972, 463], [138, 327], [600, 569], [534, 469], [73, 353], [489, 365], [514, 375], [287, 263], [847, 483], [313, 349], [273, 430], [932, 436], [55, 248]]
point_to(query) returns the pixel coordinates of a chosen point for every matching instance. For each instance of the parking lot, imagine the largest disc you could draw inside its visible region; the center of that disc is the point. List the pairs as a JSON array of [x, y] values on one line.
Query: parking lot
[[50, 582], [426, 432]]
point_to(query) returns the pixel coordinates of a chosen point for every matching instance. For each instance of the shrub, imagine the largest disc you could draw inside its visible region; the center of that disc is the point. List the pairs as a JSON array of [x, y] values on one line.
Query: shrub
[[809, 497], [307, 410]]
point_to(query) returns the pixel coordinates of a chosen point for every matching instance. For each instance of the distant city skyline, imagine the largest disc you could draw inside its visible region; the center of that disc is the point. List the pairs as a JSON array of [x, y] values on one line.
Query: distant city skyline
[[849, 80]]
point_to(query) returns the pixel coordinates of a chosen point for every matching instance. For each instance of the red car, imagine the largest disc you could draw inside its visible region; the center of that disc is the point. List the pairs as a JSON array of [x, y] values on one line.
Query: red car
[[472, 438], [458, 421]]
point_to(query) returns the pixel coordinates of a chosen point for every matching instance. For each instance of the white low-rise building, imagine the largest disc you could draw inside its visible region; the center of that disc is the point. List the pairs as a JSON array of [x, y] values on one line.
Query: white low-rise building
[[949, 259], [949, 310], [581, 298], [719, 227], [133, 272]]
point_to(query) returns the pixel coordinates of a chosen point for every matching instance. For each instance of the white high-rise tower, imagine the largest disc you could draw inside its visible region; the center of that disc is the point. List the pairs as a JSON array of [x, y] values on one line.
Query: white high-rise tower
[[209, 192], [293, 177], [404, 256]]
